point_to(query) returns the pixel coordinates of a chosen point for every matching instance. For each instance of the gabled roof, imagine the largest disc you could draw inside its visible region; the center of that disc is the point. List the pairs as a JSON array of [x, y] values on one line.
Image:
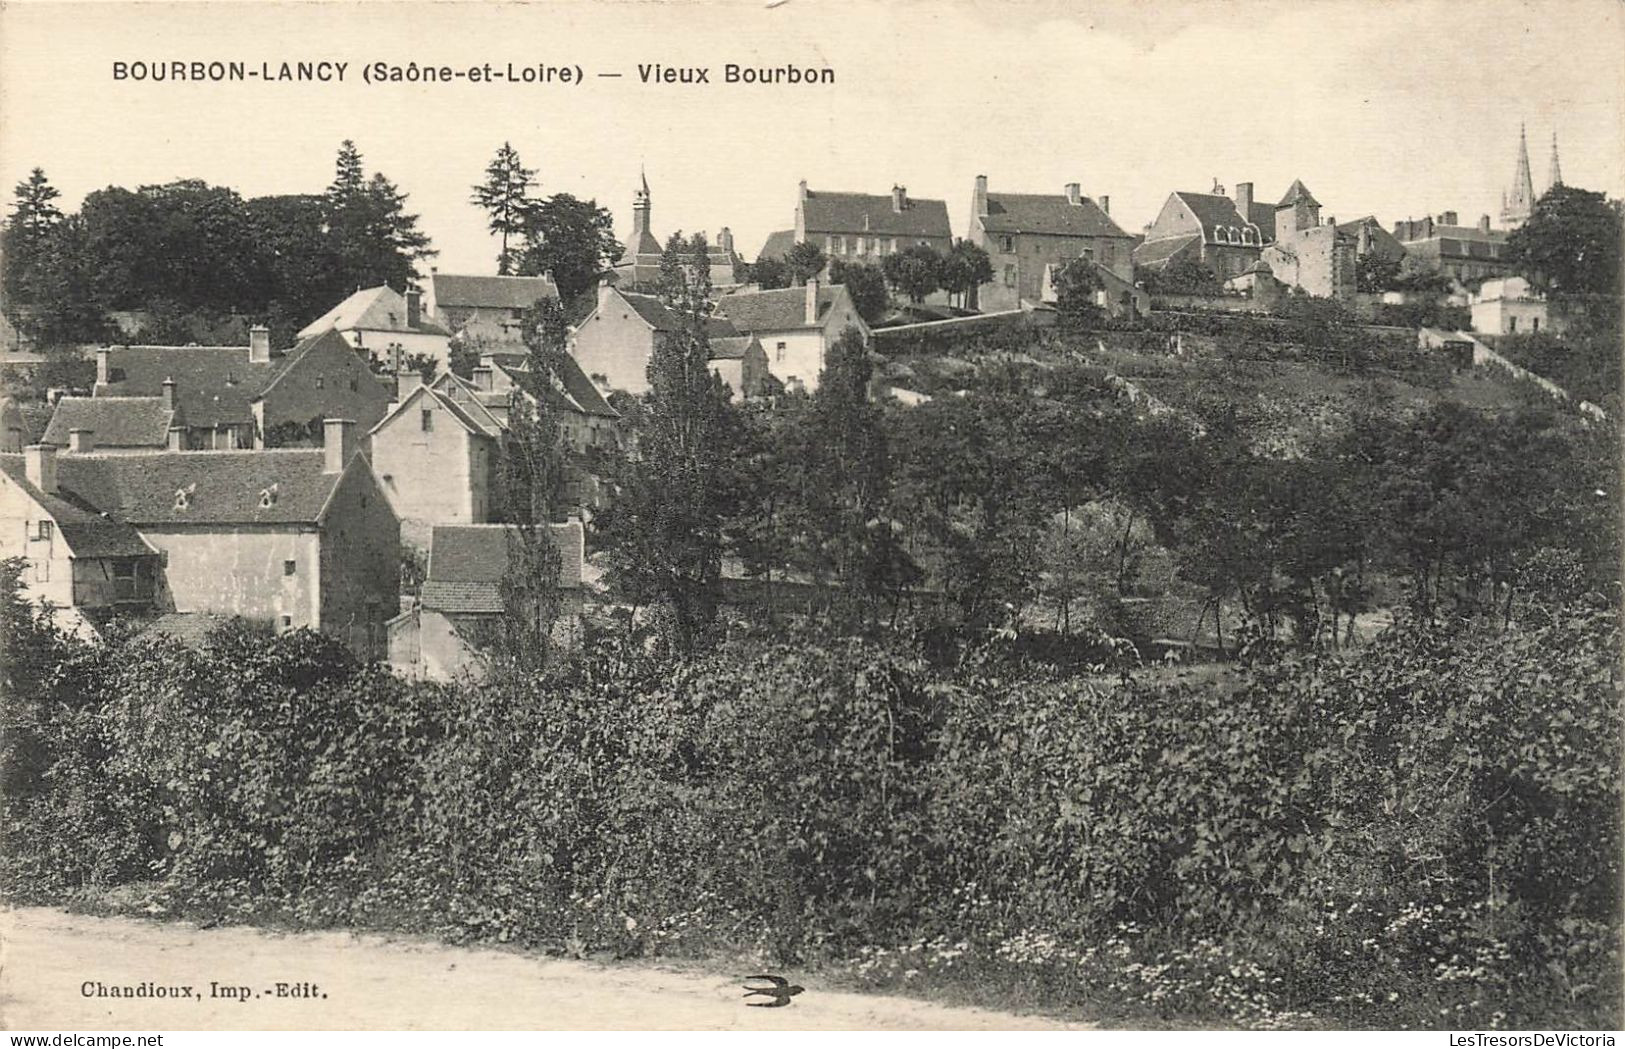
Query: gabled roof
[[225, 488], [467, 563], [733, 348], [189, 628], [371, 309], [327, 341], [464, 417], [1296, 192], [1158, 252], [114, 422], [778, 245], [498, 293], [213, 384], [87, 531], [660, 318], [575, 392], [1047, 213], [639, 242], [1213, 210], [826, 212], [780, 309], [450, 384]]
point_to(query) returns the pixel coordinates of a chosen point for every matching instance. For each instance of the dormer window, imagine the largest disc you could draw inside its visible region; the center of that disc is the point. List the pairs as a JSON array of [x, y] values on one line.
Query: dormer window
[[1246, 236], [321, 380], [183, 497], [268, 497], [1218, 235]]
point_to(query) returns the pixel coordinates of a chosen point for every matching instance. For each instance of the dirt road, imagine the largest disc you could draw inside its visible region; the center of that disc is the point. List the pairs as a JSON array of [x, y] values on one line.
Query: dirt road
[[51, 964]]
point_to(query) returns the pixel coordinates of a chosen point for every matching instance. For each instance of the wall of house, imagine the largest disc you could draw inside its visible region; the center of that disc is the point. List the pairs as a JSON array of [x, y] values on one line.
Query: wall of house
[[1229, 260], [96, 583], [1019, 274], [327, 383], [795, 355], [360, 563], [615, 343], [434, 476], [49, 575], [1513, 317], [239, 569]]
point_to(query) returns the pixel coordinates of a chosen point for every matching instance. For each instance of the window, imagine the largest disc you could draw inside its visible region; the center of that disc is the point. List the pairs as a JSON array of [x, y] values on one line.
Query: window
[[859, 245], [287, 622], [183, 498], [1218, 235], [42, 531], [1512, 324], [124, 581], [778, 353], [1534, 324], [352, 384], [1010, 276], [1246, 236], [427, 420], [321, 380], [1007, 243], [290, 567], [268, 497], [840, 245]]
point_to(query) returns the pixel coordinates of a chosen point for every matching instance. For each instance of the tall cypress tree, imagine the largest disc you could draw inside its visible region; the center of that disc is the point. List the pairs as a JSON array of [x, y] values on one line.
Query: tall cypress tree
[[505, 198]]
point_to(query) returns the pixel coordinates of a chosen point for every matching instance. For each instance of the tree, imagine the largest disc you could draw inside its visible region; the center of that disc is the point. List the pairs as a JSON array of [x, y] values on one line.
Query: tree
[[768, 273], [916, 271], [374, 239], [573, 240], [533, 471], [505, 198], [1571, 244], [33, 220], [1377, 271], [866, 284], [1183, 276], [966, 268], [805, 260], [1076, 286], [664, 526]]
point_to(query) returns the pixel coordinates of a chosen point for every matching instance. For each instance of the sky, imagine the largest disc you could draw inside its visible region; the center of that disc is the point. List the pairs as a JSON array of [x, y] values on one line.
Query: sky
[[1398, 109]]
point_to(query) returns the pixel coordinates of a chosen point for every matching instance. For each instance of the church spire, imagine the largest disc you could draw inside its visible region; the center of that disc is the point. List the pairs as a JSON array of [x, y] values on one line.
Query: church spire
[[1556, 178], [1520, 202]]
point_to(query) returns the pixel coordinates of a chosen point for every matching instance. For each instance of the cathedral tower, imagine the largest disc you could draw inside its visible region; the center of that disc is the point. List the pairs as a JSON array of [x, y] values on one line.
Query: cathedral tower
[[1519, 202]]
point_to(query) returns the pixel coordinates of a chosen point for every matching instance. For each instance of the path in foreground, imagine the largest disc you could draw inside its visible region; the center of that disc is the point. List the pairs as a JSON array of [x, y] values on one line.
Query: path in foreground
[[374, 983]]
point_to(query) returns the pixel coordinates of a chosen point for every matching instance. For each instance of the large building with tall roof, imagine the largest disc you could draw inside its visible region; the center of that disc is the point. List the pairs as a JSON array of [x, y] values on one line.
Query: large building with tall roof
[[865, 227], [484, 311], [639, 264], [1222, 233], [290, 538], [1026, 233], [381, 323]]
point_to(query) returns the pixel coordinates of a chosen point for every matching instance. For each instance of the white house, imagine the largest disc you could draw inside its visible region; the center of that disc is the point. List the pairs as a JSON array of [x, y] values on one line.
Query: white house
[[379, 321], [796, 326]]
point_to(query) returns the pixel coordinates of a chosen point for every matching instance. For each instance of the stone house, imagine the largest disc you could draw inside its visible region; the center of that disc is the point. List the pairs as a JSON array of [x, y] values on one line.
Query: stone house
[[865, 227], [1317, 258], [383, 325], [1024, 233], [292, 538], [13, 426], [460, 606], [1510, 306], [796, 326], [484, 311], [613, 344], [639, 264], [1469, 254], [741, 363], [439, 463], [1223, 234], [115, 425], [234, 397]]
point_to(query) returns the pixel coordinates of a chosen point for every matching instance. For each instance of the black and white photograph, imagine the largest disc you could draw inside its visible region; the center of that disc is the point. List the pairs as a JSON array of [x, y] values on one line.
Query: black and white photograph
[[812, 515]]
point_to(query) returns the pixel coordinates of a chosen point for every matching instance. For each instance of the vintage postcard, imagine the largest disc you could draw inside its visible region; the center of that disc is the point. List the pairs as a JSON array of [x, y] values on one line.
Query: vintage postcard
[[779, 515]]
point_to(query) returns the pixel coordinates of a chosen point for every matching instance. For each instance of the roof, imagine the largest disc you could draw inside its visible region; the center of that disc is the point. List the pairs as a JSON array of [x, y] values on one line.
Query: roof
[[1296, 192], [1212, 209], [467, 563], [661, 318], [223, 487], [1157, 252], [464, 417], [776, 310], [1048, 213], [574, 392], [213, 384], [479, 403], [778, 245], [732, 348], [502, 293], [115, 422], [189, 628], [322, 341], [87, 531], [371, 309], [826, 212]]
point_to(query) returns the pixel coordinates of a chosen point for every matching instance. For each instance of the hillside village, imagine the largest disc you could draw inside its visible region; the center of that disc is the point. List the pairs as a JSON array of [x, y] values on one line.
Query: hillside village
[[346, 466]]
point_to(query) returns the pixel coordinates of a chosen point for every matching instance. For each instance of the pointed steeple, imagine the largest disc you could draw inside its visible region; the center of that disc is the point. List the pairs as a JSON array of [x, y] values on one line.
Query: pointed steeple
[[1521, 200], [1556, 176]]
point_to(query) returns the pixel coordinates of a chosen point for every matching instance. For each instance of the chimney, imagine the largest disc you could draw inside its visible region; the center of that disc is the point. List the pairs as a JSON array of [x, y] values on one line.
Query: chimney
[[484, 377], [169, 395], [177, 438], [812, 300], [803, 195], [899, 198], [725, 240], [397, 359], [81, 441], [405, 383], [604, 287], [1331, 220], [259, 344], [1483, 223], [1074, 193], [979, 197], [414, 308], [1106, 203], [1427, 229], [1448, 219], [338, 444], [104, 366], [39, 463], [1244, 200]]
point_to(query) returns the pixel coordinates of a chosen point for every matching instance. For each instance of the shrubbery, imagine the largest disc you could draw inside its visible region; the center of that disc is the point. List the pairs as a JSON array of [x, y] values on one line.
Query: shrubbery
[[1425, 834]]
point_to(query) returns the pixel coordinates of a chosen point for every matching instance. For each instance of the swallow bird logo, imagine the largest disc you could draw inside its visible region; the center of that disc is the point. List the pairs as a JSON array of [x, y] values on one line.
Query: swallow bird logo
[[781, 992]]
